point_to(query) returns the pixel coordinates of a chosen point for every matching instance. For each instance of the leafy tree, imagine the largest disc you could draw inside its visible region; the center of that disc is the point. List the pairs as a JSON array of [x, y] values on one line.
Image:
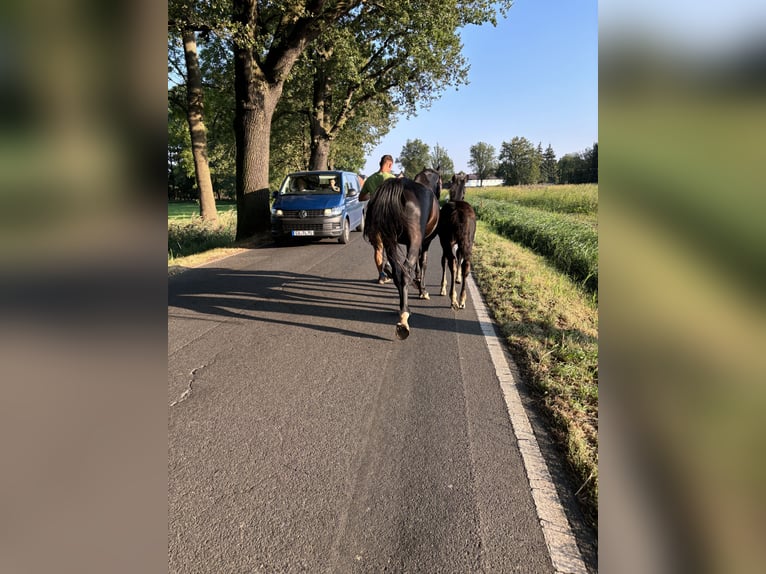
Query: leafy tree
[[322, 133], [519, 162], [184, 21], [483, 161], [548, 166], [361, 133], [265, 40], [414, 157], [218, 83], [405, 57], [440, 159], [194, 115], [180, 164], [268, 39], [591, 159], [579, 167], [570, 168]]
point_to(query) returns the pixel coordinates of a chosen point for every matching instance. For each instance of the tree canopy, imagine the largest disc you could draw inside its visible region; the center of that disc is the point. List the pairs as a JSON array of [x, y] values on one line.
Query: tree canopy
[[414, 157], [440, 159], [519, 162], [483, 160], [314, 83]]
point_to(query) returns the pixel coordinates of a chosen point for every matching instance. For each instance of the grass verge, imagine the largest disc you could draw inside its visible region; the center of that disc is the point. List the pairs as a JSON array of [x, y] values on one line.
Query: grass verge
[[551, 327], [189, 236], [193, 242]]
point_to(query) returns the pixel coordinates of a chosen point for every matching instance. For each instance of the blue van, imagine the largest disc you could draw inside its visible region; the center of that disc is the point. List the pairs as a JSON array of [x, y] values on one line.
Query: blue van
[[318, 204]]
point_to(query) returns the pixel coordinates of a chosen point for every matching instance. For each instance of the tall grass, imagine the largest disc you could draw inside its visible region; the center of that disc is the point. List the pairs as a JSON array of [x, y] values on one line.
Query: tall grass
[[573, 199], [568, 243], [190, 235]]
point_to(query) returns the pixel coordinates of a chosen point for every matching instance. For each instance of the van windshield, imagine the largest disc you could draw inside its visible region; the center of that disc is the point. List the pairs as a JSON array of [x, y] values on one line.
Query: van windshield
[[310, 183]]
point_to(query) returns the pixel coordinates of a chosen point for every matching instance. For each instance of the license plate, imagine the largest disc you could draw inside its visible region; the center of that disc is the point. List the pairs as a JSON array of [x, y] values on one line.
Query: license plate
[[303, 232]]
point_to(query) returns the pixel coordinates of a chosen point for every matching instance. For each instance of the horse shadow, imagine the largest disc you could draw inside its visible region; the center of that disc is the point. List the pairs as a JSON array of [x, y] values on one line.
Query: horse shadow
[[345, 306]]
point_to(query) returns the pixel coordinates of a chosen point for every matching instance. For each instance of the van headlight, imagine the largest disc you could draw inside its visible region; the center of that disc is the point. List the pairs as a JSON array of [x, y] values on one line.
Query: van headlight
[[276, 212], [329, 212]]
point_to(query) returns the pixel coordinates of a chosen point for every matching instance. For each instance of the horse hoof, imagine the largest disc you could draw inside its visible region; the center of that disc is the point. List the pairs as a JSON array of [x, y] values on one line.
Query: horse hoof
[[425, 295], [402, 331], [443, 292], [455, 306]]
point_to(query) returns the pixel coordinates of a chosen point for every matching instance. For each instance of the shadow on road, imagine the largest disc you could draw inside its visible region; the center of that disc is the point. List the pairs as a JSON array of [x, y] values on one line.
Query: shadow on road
[[302, 300]]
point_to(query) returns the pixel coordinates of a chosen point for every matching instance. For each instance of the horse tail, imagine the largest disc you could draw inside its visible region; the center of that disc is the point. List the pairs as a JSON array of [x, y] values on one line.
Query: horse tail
[[466, 228], [385, 214]]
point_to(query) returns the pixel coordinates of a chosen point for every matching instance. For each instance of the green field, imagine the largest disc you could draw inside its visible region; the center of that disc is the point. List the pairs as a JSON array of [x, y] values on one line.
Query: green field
[[187, 211], [573, 199]]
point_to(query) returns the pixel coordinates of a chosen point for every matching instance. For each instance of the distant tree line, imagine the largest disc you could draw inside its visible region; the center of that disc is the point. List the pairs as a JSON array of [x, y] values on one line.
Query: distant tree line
[[519, 163]]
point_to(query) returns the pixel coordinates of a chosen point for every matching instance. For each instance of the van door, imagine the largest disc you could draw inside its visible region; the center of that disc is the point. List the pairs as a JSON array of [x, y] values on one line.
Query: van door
[[353, 207]]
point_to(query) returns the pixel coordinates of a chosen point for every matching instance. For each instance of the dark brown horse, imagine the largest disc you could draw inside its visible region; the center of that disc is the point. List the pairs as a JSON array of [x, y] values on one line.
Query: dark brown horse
[[457, 228], [406, 212]]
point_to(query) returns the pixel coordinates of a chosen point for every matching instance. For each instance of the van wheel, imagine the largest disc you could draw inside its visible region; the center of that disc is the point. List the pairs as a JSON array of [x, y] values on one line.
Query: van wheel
[[345, 236], [360, 227]]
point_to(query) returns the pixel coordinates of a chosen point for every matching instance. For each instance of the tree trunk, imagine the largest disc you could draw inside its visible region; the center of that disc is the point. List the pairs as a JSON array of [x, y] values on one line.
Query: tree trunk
[[320, 153], [256, 100], [321, 101], [194, 109], [258, 86]]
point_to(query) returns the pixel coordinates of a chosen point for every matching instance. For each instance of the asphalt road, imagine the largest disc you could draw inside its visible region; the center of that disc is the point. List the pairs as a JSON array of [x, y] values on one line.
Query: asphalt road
[[304, 437]]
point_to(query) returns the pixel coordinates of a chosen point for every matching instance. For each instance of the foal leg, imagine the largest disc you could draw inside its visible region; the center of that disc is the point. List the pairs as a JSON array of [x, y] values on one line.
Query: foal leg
[[453, 267], [443, 289], [466, 270]]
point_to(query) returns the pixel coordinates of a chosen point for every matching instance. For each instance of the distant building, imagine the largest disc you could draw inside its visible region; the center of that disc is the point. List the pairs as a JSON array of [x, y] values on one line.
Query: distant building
[[474, 181]]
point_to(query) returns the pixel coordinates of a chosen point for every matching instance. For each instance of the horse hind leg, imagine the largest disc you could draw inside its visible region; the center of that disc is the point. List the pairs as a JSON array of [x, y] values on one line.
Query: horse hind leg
[[459, 257], [466, 270], [401, 281], [415, 268], [420, 279], [454, 268], [443, 289], [403, 326]]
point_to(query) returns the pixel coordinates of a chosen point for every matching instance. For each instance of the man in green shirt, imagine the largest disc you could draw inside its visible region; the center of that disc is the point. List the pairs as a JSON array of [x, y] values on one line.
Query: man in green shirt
[[368, 189]]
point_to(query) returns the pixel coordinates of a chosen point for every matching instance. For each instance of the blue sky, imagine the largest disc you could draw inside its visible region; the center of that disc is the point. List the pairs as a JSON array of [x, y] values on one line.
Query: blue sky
[[534, 75]]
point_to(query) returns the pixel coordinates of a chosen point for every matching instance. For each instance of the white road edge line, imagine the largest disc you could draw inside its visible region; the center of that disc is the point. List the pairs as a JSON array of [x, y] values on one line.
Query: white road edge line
[[561, 543]]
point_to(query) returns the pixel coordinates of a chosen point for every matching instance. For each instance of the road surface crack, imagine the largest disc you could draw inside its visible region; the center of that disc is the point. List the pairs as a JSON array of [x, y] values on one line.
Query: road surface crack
[[187, 392]]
